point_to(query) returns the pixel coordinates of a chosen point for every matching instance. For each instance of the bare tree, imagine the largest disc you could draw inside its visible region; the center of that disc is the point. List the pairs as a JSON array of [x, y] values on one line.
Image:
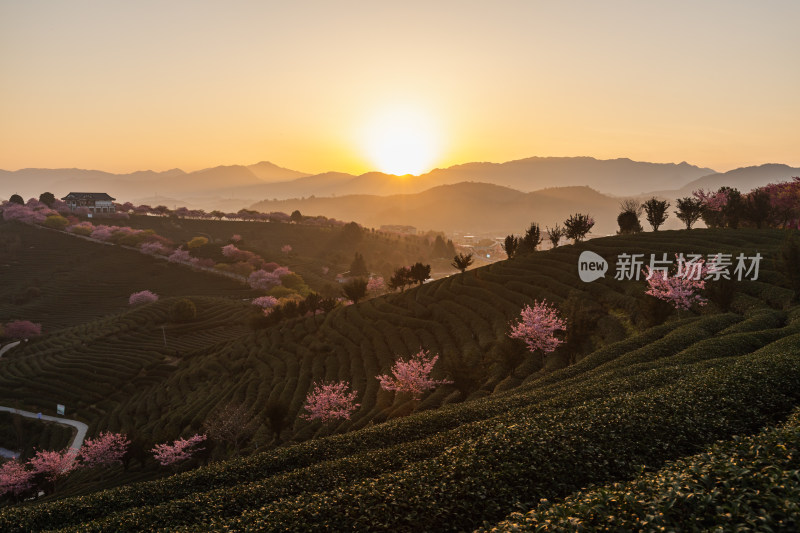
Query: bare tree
[[232, 424]]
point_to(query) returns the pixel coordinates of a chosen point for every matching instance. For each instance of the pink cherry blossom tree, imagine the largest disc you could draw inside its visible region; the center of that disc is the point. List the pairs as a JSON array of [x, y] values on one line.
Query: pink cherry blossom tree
[[232, 252], [286, 248], [376, 285], [152, 248], [330, 401], [265, 302], [142, 297], [54, 466], [412, 375], [22, 329], [180, 450], [714, 201], [537, 327], [24, 213], [180, 256], [107, 449], [15, 478], [679, 289], [263, 280], [102, 233]]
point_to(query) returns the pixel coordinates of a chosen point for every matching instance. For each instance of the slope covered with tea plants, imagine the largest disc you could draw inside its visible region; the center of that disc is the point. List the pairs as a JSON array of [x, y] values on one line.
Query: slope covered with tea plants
[[747, 483], [638, 392], [60, 280]]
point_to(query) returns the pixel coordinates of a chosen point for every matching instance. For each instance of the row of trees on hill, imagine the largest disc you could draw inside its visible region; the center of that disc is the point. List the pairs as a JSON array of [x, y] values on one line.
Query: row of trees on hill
[[576, 227], [46, 470], [123, 210], [775, 205]]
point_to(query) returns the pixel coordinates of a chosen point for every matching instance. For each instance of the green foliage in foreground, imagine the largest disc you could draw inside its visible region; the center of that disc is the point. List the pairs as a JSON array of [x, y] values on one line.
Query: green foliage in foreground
[[416, 475], [747, 483]]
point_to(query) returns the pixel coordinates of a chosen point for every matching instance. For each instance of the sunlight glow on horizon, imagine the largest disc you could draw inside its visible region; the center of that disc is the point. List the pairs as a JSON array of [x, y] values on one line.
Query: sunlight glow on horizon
[[126, 86], [401, 141]]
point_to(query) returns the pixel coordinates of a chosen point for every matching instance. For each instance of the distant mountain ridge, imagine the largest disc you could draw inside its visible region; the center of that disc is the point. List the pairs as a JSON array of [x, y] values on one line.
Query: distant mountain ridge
[[209, 183], [745, 179], [231, 187], [467, 207]]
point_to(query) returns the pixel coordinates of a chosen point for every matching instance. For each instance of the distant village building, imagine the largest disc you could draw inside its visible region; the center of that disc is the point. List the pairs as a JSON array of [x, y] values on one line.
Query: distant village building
[[95, 202]]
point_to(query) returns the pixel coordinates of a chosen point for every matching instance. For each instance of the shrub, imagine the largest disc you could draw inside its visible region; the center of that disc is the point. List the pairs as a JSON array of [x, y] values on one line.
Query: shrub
[[55, 222], [82, 228], [197, 242], [183, 310]]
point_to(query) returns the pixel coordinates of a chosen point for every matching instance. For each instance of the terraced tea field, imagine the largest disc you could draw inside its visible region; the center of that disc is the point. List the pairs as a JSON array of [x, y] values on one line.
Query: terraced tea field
[[313, 247], [641, 396], [61, 281]]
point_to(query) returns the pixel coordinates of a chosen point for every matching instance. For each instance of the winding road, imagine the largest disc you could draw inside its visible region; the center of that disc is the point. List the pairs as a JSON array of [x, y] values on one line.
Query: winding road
[[81, 428], [8, 346]]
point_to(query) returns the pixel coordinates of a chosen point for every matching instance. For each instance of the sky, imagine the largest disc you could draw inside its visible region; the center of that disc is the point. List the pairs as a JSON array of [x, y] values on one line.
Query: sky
[[358, 86]]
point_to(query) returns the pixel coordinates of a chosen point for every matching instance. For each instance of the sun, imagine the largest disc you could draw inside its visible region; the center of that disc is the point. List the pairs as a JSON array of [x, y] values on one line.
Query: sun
[[402, 141]]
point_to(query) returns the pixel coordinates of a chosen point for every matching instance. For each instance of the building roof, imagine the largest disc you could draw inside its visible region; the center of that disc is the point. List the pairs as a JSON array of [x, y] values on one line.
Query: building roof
[[89, 196]]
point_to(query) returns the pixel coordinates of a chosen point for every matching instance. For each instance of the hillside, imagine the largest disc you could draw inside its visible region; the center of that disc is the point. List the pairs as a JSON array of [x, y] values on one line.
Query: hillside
[[60, 280], [319, 253], [464, 207], [640, 393]]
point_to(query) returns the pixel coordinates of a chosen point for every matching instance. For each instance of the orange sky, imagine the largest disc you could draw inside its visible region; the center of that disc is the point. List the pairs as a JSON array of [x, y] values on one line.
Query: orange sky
[[123, 86]]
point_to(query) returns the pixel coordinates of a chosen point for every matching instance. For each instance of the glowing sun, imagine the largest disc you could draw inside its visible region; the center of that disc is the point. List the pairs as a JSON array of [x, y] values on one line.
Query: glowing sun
[[402, 141]]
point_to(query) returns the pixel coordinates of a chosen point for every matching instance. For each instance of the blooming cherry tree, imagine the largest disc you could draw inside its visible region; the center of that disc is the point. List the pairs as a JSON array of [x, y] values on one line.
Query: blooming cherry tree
[[265, 302], [15, 478], [286, 248], [54, 465], [180, 450], [152, 248], [22, 329], [107, 449], [412, 375], [537, 326], [376, 285], [263, 280], [329, 401], [102, 233], [142, 297], [181, 256], [714, 201], [681, 288]]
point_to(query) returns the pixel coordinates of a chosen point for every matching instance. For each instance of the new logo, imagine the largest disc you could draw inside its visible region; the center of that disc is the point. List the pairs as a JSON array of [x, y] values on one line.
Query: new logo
[[591, 266]]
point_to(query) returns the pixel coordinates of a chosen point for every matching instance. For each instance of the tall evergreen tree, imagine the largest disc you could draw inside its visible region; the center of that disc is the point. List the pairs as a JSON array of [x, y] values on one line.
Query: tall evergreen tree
[[358, 267], [510, 245], [531, 240]]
